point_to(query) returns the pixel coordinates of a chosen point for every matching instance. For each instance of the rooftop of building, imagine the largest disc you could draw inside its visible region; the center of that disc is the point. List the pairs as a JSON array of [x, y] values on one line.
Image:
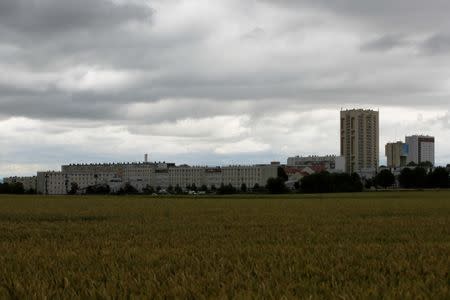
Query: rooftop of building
[[358, 110], [315, 156], [116, 164], [398, 142], [419, 136]]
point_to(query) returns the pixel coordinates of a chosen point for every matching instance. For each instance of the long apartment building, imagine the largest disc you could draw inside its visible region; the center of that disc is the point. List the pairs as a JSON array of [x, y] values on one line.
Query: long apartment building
[[330, 163], [141, 175], [60, 183], [29, 183], [360, 140]]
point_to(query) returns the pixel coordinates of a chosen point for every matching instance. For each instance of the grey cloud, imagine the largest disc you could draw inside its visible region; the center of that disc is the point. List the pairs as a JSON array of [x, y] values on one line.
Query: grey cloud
[[221, 94], [437, 44], [404, 15], [255, 33], [385, 43], [176, 65], [445, 121], [57, 106], [47, 17]]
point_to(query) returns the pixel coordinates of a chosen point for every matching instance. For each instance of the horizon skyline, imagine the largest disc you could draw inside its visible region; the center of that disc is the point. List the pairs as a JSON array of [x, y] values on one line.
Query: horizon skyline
[[213, 82], [225, 162]]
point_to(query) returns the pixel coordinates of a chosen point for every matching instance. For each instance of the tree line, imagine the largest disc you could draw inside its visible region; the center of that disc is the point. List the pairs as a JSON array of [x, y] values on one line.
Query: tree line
[[409, 178], [15, 188], [412, 178]]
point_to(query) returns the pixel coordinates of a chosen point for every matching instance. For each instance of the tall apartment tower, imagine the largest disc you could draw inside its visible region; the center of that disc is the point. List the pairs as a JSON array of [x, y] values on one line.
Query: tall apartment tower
[[360, 140], [421, 148], [396, 154]]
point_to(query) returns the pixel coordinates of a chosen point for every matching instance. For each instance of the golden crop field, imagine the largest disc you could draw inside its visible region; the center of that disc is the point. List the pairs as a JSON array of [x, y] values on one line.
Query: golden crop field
[[375, 245]]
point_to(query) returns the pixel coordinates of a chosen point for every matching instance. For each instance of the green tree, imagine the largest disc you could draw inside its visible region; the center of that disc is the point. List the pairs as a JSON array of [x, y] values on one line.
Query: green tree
[[73, 188], [244, 188], [16, 188], [420, 177], [369, 182], [148, 190], [413, 178], [438, 178], [406, 178], [276, 185], [281, 173], [13, 188], [226, 189], [170, 189], [426, 164], [325, 182], [128, 189], [385, 179], [258, 189], [178, 190], [100, 189], [30, 191]]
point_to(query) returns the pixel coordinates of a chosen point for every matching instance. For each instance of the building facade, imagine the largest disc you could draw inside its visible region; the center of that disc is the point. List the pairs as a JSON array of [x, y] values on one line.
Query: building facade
[[421, 149], [28, 182], [156, 175], [396, 154], [330, 163], [360, 140], [60, 183]]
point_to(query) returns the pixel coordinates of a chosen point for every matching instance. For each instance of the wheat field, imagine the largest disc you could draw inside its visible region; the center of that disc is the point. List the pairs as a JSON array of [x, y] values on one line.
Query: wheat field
[[392, 245]]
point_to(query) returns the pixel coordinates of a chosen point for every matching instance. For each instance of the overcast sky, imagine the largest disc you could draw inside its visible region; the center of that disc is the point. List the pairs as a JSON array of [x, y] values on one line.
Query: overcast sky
[[214, 82]]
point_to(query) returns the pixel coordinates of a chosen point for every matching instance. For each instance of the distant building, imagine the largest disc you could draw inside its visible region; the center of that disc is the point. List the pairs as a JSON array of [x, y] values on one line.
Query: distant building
[[29, 182], [141, 175], [421, 149], [397, 154], [297, 173], [330, 163], [360, 140], [60, 183]]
